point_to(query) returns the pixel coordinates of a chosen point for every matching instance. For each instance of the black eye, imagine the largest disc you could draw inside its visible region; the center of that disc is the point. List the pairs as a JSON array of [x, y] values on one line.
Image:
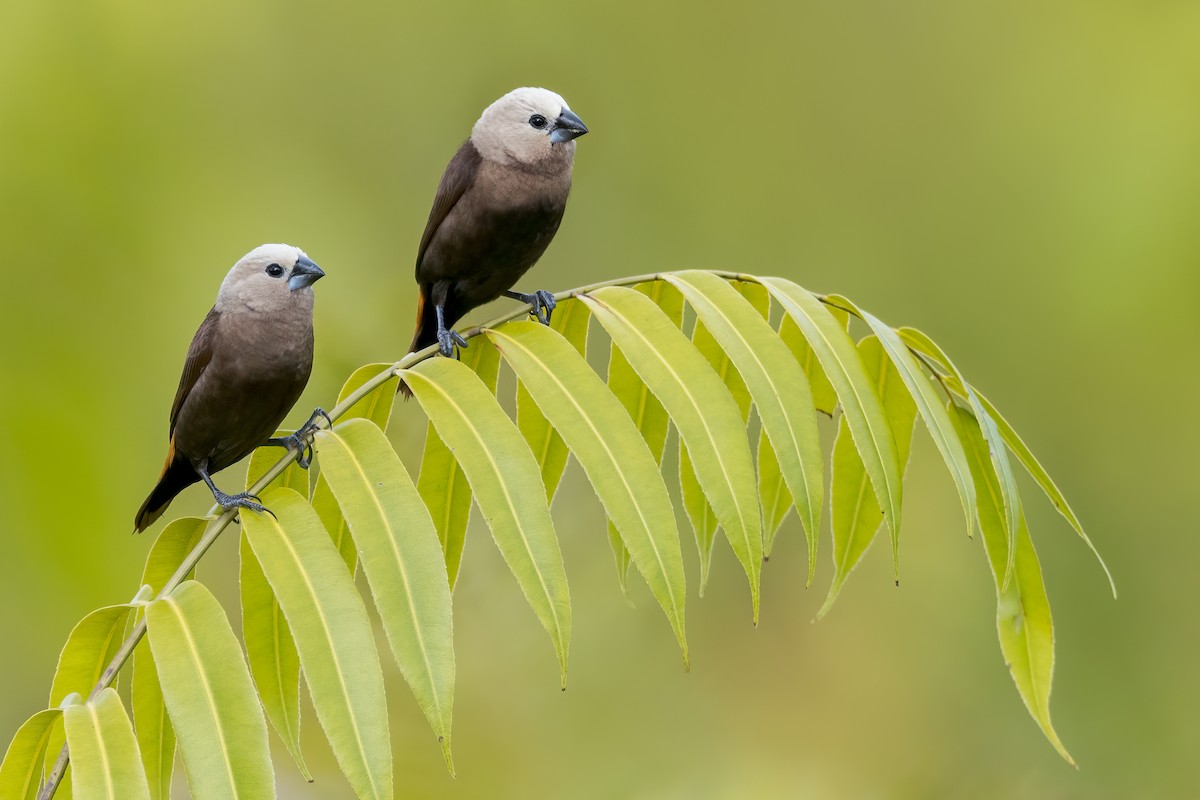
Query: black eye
[[537, 121], [274, 270]]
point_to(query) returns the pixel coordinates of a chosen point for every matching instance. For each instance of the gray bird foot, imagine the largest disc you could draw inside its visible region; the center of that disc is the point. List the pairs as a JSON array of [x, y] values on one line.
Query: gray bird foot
[[301, 440], [447, 338], [542, 304], [244, 500]]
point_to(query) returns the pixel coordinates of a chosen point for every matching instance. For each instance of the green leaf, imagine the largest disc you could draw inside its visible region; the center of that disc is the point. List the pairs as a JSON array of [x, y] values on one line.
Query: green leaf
[[772, 487], [998, 454], [271, 651], [378, 403], [333, 636], [206, 685], [703, 411], [856, 513], [376, 406], [326, 506], [606, 443], [929, 403], [571, 320], [648, 415], [21, 771], [861, 405], [104, 751], [442, 484], [1018, 448], [155, 735], [1023, 609], [402, 559], [776, 383], [507, 484], [703, 518], [89, 649]]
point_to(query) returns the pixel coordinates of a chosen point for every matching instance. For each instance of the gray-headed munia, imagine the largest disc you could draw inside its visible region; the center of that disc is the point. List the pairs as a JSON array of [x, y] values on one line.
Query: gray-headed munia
[[497, 207], [246, 367]]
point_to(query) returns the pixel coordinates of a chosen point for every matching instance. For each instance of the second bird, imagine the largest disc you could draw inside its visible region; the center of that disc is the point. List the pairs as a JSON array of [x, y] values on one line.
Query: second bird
[[497, 207]]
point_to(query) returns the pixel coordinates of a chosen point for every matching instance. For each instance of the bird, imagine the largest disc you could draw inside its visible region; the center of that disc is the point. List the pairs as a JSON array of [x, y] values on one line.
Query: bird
[[498, 205], [245, 369]]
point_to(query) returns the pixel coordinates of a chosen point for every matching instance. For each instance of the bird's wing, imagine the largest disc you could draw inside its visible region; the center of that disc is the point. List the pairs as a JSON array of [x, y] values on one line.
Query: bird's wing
[[459, 175], [199, 355]]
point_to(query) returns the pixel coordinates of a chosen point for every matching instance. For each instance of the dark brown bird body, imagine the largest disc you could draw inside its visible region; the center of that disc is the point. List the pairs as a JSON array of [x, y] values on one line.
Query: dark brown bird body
[[497, 208], [246, 367]]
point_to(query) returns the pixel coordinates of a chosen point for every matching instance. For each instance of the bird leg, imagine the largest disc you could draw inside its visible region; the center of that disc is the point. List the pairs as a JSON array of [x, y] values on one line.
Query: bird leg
[[301, 440], [541, 303], [228, 501], [446, 337]]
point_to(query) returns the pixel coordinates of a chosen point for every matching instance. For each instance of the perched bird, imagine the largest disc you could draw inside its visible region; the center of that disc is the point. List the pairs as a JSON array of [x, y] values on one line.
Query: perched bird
[[497, 207], [246, 367]]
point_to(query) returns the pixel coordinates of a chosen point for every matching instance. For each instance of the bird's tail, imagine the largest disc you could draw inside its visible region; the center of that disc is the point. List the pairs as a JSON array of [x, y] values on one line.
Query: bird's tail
[[425, 334], [177, 475]]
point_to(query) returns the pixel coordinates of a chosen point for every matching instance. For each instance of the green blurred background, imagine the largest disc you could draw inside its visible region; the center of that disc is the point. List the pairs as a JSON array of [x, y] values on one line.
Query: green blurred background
[[1020, 180]]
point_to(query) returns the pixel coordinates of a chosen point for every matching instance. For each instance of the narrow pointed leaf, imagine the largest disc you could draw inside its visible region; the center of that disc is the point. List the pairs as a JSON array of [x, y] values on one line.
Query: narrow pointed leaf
[[929, 403], [571, 320], [104, 751], [376, 406], [507, 485], [271, 651], [855, 509], [378, 403], [648, 415], [776, 383], [442, 484], [403, 561], [207, 688], [1021, 450], [860, 403], [607, 445], [89, 649], [703, 411], [155, 735], [998, 453], [700, 514], [772, 487], [704, 520], [333, 636], [326, 506], [21, 770], [773, 493], [1023, 609]]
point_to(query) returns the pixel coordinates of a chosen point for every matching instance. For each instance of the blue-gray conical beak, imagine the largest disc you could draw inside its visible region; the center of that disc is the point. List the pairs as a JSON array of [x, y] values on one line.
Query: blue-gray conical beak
[[567, 127], [305, 273]]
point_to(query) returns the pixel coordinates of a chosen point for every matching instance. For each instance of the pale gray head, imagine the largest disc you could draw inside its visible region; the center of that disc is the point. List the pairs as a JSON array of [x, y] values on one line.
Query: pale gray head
[[527, 125], [271, 277]]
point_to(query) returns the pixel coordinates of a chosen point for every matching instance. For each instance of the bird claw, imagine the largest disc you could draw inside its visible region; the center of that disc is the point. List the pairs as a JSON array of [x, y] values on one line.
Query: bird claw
[[301, 440], [246, 500], [447, 339], [543, 303]]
